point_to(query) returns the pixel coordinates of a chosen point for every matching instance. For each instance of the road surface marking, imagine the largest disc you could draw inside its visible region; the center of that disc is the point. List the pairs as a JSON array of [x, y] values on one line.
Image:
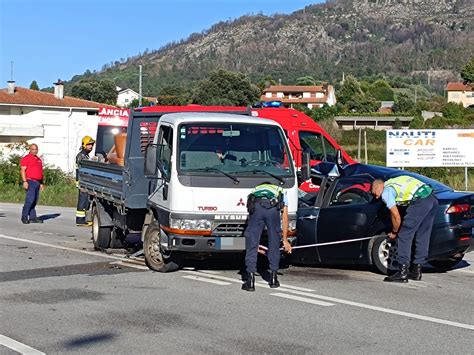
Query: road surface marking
[[212, 272], [93, 253], [385, 310], [297, 288], [205, 279], [354, 304], [127, 263], [302, 299], [18, 347]]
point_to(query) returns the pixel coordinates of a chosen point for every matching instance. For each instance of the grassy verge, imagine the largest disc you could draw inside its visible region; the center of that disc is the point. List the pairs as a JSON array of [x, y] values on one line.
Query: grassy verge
[[55, 195]]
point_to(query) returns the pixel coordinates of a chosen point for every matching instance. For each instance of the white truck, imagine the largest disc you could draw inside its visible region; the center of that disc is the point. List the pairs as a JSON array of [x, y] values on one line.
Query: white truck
[[187, 191]]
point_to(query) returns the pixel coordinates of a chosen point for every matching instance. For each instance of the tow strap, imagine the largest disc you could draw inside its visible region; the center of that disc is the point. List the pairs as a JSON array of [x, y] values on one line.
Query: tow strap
[[324, 244]]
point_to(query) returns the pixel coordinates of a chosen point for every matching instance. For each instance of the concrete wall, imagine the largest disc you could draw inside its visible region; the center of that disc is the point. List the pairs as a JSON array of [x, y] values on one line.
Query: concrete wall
[[62, 132]]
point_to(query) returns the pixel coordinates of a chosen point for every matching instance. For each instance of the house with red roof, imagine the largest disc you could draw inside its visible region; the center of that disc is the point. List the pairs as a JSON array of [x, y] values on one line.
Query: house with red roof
[[460, 93], [313, 96], [55, 122]]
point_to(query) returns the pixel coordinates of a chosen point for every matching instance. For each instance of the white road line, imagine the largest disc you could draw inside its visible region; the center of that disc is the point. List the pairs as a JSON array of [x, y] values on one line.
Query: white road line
[[386, 310], [302, 299], [297, 288], [18, 347], [212, 272], [128, 264], [354, 304], [93, 253], [205, 279]]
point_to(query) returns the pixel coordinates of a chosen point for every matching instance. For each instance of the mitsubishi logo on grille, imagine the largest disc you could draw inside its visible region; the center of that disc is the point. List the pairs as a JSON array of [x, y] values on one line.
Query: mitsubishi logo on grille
[[241, 202]]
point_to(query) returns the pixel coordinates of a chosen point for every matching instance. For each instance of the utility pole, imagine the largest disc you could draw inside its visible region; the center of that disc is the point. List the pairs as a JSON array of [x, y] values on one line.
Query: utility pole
[[140, 87], [415, 95]]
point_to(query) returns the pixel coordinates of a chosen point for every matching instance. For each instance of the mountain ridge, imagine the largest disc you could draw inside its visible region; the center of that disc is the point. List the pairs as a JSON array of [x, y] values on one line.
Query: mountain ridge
[[430, 39]]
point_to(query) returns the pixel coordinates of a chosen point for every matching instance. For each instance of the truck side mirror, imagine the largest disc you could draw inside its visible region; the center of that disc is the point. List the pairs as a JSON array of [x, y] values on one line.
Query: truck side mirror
[[151, 155], [305, 167], [339, 159]]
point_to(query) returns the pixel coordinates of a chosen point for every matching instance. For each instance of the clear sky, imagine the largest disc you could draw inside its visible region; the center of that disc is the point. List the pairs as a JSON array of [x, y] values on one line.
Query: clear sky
[[51, 39]]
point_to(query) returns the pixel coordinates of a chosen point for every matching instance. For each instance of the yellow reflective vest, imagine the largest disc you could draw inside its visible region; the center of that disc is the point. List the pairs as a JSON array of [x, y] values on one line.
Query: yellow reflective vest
[[407, 188]]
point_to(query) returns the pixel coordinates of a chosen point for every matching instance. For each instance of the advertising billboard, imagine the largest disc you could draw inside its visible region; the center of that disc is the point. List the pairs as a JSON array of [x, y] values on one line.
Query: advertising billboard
[[430, 147]]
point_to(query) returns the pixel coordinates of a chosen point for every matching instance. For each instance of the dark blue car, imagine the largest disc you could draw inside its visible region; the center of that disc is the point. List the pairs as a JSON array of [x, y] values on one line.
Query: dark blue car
[[345, 209]]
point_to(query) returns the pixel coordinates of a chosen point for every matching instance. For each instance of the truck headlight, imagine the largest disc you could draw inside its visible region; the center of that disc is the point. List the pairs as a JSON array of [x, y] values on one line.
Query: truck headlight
[[190, 224], [292, 224]]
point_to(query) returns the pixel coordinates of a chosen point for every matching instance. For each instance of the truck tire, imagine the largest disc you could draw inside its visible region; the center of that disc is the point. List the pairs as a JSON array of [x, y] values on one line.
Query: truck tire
[[155, 259], [117, 238], [100, 235]]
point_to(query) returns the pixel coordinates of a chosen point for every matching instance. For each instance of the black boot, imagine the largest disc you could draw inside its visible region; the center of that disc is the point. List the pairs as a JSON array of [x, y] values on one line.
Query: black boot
[[249, 284], [415, 272], [400, 276], [25, 220], [274, 283]]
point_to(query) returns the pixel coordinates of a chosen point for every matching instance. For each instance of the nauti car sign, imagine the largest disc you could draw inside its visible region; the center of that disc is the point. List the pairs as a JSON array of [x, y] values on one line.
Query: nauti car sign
[[430, 148]]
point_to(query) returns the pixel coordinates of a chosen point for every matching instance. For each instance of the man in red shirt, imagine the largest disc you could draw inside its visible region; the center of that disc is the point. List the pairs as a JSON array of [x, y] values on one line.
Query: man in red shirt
[[32, 176]]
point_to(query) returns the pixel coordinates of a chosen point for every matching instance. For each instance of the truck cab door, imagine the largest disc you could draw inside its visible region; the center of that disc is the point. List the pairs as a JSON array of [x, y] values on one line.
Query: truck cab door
[[161, 195]]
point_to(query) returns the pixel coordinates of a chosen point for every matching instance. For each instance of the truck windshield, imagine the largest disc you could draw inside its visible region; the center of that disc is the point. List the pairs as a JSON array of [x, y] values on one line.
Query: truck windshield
[[235, 148]]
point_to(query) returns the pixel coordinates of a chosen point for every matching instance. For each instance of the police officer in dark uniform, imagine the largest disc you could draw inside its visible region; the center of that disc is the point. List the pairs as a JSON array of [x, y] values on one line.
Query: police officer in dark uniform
[[417, 224], [268, 206], [83, 198]]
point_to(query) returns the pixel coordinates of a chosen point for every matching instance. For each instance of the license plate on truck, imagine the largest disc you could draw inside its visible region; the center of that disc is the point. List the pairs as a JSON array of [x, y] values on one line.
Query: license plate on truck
[[230, 243]]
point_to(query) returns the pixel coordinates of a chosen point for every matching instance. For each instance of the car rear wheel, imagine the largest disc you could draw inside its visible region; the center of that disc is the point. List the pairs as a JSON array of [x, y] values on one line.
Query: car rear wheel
[[155, 258], [384, 254], [446, 264], [100, 234]]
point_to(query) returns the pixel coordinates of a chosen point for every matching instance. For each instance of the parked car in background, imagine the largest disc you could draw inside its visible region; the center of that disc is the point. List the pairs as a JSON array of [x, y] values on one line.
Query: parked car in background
[[344, 209]]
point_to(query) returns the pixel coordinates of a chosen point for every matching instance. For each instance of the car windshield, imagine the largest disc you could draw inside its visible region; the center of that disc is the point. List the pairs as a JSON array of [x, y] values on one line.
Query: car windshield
[[234, 148]]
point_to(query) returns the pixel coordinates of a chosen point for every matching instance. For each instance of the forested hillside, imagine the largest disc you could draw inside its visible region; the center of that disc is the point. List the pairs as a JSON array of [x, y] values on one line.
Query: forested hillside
[[426, 40]]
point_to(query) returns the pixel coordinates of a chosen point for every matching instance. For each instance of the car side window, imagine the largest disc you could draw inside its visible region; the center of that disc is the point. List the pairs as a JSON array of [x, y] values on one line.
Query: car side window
[[351, 192]]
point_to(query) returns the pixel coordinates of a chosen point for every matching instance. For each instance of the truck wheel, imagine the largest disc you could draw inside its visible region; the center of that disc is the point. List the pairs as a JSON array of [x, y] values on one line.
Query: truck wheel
[[154, 257], [117, 238], [384, 254], [100, 234]]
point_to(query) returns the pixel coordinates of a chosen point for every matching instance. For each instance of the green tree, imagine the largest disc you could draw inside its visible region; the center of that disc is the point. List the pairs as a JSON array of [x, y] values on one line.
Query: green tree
[[173, 95], [381, 91], [453, 111], [266, 82], [226, 88], [34, 85], [403, 103], [467, 71], [348, 90], [135, 103], [417, 122], [102, 91], [306, 81]]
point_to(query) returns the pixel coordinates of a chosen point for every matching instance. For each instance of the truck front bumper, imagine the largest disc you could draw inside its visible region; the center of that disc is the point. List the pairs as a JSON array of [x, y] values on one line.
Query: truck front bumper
[[199, 244]]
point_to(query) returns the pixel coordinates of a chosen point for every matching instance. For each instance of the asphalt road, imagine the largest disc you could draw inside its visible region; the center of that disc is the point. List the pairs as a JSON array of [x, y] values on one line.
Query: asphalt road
[[57, 295]]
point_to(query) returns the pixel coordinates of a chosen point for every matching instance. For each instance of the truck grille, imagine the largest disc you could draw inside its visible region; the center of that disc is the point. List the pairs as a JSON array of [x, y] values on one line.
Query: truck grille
[[235, 229]]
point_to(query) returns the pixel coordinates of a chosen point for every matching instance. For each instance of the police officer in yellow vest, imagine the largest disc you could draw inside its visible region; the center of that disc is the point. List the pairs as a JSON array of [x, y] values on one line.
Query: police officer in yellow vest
[[417, 223], [268, 206], [83, 197]]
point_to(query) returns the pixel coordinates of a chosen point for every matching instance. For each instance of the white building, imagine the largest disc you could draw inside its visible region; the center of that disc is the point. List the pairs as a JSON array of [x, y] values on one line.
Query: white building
[[125, 97], [311, 96], [55, 122]]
